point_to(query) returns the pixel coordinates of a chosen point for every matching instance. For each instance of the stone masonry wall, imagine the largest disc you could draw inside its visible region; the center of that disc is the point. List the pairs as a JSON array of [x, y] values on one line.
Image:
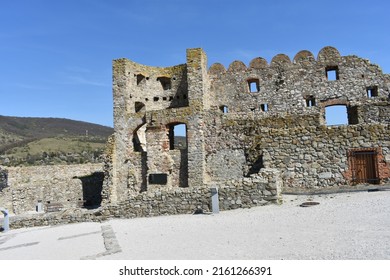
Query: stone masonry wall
[[308, 154], [285, 86], [3, 178], [67, 185], [243, 119], [249, 192], [5, 192]]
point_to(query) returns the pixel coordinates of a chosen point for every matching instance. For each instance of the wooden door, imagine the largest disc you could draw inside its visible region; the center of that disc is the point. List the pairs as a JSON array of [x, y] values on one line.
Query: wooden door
[[364, 167]]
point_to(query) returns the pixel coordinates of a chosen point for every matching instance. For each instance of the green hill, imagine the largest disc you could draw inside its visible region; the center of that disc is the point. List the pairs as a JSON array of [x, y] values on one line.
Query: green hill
[[32, 141]]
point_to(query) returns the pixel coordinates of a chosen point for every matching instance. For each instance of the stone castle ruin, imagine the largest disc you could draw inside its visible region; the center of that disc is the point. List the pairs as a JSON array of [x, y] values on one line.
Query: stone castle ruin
[[251, 130]]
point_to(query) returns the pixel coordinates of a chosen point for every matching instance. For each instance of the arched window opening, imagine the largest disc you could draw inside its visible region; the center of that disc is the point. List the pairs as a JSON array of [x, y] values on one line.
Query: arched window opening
[[177, 136], [336, 115]]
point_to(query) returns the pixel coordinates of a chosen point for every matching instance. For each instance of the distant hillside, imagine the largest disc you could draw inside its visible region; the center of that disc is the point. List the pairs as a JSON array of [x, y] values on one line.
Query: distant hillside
[[30, 141]]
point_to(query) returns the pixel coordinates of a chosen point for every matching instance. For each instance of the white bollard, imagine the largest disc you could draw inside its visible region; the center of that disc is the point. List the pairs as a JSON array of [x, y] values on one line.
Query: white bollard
[[6, 220], [214, 200]]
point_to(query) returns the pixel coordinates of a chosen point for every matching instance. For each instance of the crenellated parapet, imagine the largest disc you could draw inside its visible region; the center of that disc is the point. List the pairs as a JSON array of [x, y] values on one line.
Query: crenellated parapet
[[327, 55], [300, 86]]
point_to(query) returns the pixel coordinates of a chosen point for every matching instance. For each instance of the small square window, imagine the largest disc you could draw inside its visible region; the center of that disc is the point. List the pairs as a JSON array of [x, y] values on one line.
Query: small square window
[[224, 109], [165, 82], [264, 107], [310, 101], [254, 85], [140, 79], [372, 91], [332, 73]]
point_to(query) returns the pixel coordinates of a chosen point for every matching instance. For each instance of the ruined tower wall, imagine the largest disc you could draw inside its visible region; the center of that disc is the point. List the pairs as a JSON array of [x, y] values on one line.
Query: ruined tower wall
[[148, 103], [246, 120]]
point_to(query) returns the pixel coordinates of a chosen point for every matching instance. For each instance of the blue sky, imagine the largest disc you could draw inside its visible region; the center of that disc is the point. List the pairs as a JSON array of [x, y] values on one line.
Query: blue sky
[[56, 56]]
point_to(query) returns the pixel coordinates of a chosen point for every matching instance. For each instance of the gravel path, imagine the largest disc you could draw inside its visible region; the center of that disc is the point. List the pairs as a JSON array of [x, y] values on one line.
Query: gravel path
[[341, 226]]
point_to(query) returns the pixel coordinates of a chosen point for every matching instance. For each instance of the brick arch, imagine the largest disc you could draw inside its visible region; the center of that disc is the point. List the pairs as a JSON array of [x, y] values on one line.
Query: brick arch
[[334, 102]]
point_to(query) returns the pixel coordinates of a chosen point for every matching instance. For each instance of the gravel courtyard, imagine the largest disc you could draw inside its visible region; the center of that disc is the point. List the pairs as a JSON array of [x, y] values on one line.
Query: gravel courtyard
[[342, 226]]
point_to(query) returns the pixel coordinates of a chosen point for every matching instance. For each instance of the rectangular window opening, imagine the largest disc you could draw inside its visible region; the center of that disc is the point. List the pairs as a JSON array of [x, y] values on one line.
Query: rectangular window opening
[[372, 91], [332, 73], [310, 101], [264, 107], [158, 179], [224, 109], [254, 85], [177, 135]]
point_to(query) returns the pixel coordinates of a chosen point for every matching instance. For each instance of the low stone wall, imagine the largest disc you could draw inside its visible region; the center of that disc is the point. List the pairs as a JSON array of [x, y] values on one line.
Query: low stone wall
[[3, 178], [5, 192], [257, 190], [65, 185]]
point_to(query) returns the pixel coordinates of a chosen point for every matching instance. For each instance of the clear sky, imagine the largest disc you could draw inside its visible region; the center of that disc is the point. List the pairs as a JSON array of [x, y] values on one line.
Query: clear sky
[[56, 56]]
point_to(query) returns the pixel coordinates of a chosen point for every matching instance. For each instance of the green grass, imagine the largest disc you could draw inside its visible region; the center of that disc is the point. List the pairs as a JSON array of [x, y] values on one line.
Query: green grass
[[55, 145], [37, 141], [58, 150]]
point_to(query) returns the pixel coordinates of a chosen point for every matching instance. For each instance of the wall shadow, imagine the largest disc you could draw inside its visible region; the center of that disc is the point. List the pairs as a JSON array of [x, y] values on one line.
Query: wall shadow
[[92, 189]]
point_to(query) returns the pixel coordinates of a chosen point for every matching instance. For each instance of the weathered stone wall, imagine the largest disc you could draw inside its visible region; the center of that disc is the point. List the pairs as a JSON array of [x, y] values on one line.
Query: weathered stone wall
[[253, 132], [5, 192], [143, 137], [66, 185], [248, 192], [286, 86], [243, 119], [3, 178], [308, 154]]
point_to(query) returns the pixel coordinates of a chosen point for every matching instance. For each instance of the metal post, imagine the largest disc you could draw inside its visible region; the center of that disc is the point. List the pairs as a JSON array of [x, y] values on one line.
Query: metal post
[[6, 219], [214, 200]]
